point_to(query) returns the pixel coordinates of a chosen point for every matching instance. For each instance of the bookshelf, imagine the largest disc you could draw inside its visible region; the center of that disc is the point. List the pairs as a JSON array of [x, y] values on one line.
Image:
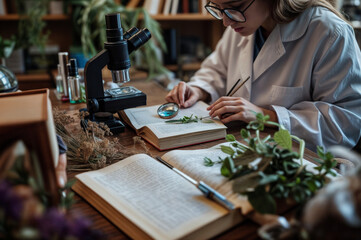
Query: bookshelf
[[199, 25], [48, 17]]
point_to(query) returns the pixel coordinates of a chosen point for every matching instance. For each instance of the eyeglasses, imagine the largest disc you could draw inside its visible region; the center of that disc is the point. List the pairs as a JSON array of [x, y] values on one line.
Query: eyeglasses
[[232, 13]]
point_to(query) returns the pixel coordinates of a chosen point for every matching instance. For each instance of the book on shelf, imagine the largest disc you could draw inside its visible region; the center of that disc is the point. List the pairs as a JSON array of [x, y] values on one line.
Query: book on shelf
[[203, 9], [193, 6], [164, 136], [147, 200], [152, 6], [167, 7], [3, 7], [174, 9], [171, 41], [185, 6]]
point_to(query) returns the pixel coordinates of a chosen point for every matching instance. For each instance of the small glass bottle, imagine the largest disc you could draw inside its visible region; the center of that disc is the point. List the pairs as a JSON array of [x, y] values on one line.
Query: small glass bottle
[[59, 81], [73, 82]]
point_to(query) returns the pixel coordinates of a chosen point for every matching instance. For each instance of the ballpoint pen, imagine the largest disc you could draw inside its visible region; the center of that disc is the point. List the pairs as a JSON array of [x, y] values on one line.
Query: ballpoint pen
[[205, 189]]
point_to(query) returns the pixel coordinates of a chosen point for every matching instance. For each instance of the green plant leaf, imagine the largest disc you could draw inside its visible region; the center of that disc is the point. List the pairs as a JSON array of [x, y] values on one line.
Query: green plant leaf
[[283, 138], [262, 201], [246, 182], [227, 168], [246, 158], [227, 150], [230, 138], [266, 179], [208, 162], [244, 133]]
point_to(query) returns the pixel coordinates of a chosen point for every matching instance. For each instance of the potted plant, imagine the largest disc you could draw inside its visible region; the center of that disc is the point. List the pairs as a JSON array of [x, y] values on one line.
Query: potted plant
[[8, 81], [89, 24], [31, 25], [30, 32]]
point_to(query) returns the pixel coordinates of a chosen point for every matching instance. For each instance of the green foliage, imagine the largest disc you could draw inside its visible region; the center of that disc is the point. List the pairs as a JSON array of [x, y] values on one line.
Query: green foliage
[[266, 169], [31, 24], [89, 25], [6, 47]]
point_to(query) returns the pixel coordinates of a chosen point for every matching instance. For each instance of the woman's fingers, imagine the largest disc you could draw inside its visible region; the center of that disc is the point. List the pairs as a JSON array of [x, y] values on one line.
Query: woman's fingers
[[183, 94], [61, 170], [173, 95], [182, 87]]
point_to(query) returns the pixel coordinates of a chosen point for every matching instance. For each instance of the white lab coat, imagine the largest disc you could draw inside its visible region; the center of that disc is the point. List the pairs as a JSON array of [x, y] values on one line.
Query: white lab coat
[[308, 71]]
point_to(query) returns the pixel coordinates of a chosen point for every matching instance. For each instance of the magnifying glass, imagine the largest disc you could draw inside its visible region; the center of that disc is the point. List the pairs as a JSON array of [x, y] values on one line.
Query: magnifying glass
[[168, 110]]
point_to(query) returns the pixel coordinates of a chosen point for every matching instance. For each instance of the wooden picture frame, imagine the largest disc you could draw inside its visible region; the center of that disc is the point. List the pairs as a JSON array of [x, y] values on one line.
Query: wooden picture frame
[[27, 116]]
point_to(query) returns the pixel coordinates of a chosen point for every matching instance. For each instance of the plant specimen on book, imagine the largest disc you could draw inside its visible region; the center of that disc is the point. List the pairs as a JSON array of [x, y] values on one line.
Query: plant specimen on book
[[190, 119], [266, 169]]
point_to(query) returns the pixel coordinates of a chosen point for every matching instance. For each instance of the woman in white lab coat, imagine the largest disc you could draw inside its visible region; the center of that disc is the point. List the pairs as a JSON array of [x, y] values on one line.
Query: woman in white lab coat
[[303, 64]]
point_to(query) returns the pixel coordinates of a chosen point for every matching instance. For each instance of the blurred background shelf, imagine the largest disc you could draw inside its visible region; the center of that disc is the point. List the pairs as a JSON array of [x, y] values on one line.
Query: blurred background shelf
[[49, 17], [190, 35], [35, 81]]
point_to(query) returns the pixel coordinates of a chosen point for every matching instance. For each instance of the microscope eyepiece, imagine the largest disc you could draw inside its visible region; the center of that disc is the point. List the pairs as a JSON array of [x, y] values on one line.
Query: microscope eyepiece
[[138, 39], [114, 29]]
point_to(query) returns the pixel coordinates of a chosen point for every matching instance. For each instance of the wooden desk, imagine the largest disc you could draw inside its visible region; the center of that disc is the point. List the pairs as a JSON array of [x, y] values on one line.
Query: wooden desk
[[155, 95]]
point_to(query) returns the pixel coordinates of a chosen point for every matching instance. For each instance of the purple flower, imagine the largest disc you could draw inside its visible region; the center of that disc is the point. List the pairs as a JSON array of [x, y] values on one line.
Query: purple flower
[[52, 223], [10, 202], [80, 228], [55, 224]]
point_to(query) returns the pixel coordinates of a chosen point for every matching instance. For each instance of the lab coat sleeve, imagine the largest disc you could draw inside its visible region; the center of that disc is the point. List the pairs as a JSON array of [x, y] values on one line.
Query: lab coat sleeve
[[212, 75], [333, 116]]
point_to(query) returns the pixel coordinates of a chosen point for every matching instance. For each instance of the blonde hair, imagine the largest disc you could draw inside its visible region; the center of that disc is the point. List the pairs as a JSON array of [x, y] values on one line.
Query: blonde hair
[[285, 11]]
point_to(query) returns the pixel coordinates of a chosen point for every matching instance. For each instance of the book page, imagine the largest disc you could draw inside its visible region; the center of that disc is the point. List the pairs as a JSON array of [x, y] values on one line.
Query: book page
[[157, 199], [140, 117], [191, 162]]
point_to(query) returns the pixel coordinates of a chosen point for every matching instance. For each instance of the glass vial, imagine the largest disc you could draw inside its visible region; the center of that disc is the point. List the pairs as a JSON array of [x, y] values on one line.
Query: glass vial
[[59, 81], [73, 82]]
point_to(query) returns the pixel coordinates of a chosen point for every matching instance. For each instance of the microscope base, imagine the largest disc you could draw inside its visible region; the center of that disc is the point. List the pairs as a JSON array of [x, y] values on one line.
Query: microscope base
[[114, 124]]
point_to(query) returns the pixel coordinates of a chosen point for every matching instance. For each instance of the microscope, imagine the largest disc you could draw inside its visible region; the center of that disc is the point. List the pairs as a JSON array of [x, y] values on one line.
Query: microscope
[[101, 104]]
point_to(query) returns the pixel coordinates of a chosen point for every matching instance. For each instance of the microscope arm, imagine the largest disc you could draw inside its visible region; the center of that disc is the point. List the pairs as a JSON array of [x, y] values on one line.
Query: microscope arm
[[93, 75]]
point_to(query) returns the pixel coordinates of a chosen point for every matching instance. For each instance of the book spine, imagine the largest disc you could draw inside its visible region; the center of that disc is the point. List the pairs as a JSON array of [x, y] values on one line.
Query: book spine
[[167, 7], [2, 7], [193, 6], [170, 38], [203, 10], [174, 7], [185, 5]]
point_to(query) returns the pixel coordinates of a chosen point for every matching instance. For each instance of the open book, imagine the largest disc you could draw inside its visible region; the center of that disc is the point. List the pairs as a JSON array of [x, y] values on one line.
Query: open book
[[147, 200], [165, 136]]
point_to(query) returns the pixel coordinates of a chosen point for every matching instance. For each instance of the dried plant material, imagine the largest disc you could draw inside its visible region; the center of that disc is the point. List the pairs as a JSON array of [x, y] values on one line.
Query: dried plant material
[[93, 148], [138, 140]]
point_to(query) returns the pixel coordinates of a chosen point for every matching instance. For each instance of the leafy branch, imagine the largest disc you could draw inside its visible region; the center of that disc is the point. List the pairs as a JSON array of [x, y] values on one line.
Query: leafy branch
[[266, 170], [190, 119]]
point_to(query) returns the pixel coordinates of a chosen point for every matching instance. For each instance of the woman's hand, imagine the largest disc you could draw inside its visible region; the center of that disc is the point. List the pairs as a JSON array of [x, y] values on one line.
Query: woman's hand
[[186, 95], [235, 108], [61, 170]]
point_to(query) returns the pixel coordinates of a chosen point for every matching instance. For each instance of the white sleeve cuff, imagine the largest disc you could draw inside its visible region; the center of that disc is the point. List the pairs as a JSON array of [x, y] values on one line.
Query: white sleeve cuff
[[283, 116]]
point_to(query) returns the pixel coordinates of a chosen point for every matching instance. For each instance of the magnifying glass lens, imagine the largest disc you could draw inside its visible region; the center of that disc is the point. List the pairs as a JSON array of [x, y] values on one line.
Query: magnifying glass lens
[[168, 110]]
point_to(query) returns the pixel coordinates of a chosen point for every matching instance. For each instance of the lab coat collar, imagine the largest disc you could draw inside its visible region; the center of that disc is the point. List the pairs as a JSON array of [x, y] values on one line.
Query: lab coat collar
[[246, 56], [297, 28], [273, 49]]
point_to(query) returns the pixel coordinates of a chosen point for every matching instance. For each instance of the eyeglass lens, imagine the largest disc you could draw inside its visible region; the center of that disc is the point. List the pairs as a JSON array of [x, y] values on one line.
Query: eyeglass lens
[[232, 14]]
